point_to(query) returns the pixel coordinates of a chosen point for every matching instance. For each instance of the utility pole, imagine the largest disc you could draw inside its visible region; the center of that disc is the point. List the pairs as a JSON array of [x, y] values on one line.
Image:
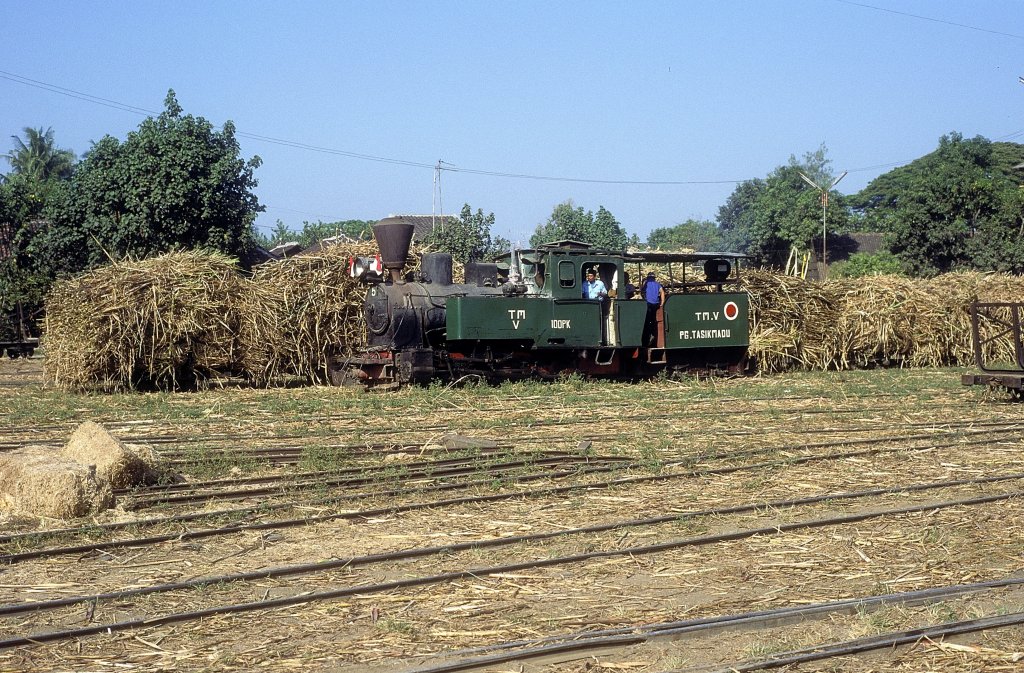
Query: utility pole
[[437, 204], [824, 204]]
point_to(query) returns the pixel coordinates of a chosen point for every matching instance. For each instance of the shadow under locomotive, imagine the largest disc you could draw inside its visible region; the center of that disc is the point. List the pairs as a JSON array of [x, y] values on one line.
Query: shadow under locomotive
[[526, 315]]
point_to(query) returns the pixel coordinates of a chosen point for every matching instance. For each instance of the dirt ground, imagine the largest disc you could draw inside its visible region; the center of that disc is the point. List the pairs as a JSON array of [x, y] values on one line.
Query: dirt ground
[[725, 498]]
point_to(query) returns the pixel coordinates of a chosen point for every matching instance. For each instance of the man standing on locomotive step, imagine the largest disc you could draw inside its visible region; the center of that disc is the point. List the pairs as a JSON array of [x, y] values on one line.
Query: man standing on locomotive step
[[594, 288], [653, 295]]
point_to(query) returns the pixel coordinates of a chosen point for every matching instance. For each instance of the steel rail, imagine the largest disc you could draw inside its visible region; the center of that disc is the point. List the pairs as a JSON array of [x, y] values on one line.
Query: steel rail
[[486, 571], [271, 453], [361, 469], [241, 494], [419, 467], [6, 538], [884, 641], [948, 426], [557, 490], [279, 455], [453, 471], [308, 520], [582, 641], [310, 568]]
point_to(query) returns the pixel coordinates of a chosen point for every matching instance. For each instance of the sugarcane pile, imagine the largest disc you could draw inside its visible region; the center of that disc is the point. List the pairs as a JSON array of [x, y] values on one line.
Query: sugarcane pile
[[298, 313], [158, 323], [872, 321], [186, 318]]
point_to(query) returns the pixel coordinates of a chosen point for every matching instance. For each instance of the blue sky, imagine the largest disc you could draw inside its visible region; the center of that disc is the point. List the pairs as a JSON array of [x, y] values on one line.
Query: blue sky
[[703, 93]]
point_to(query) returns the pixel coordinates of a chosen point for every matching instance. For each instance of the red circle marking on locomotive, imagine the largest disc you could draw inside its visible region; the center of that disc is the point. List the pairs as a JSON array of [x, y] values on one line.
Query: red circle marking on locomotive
[[731, 310]]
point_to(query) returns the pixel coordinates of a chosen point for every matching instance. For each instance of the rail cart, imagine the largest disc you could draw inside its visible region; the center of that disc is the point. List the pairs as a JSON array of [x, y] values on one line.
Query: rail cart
[[1000, 359]]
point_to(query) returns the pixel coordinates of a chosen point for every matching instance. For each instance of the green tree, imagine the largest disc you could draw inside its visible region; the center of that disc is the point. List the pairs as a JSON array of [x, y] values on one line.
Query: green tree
[[699, 235], [737, 217], [357, 230], [22, 282], [278, 235], [38, 157], [315, 232], [957, 207], [765, 218], [998, 242], [468, 237], [39, 172], [567, 222], [174, 183]]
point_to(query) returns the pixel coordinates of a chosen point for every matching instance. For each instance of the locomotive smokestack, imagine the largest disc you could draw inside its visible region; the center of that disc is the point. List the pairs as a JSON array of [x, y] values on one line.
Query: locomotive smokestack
[[394, 235]]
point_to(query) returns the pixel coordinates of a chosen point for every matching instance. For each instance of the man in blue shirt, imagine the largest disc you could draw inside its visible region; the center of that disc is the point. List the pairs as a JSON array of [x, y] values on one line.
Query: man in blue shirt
[[653, 295], [593, 287]]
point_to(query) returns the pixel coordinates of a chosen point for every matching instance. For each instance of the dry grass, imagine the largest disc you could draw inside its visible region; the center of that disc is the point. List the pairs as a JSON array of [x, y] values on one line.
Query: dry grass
[[36, 481]]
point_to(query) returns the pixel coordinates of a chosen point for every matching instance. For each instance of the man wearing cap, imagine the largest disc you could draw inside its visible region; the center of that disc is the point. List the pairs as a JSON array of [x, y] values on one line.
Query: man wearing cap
[[593, 287], [653, 295]]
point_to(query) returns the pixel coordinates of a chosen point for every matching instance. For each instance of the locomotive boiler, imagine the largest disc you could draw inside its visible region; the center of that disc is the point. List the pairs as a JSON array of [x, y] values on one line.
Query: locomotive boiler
[[525, 315]]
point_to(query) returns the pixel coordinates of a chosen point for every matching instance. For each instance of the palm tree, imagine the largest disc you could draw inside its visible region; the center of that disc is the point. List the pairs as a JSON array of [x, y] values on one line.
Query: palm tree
[[38, 158]]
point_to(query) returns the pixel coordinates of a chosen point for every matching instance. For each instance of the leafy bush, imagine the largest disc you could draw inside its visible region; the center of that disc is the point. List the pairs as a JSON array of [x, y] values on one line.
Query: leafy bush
[[861, 264]]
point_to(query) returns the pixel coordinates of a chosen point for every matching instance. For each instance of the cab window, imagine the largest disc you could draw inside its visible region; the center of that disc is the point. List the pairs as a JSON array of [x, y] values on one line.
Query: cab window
[[566, 273]]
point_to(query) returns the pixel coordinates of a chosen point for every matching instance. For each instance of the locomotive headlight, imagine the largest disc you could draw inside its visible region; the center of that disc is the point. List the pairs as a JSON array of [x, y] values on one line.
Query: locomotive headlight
[[357, 267], [365, 269]]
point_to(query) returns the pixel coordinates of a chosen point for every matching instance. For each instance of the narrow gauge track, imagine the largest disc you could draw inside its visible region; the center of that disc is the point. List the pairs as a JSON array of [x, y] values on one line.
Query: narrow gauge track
[[140, 493], [140, 503], [503, 452], [211, 440], [292, 455], [883, 641], [306, 520], [581, 642], [399, 491], [424, 580], [345, 479]]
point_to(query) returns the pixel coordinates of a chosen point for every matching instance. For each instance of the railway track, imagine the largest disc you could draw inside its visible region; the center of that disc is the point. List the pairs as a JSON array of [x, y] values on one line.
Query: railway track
[[572, 645], [145, 497], [578, 467], [306, 597], [710, 531]]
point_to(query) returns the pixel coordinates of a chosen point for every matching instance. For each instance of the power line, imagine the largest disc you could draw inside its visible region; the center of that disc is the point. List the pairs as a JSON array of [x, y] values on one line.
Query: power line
[[75, 94], [329, 150], [551, 178], [932, 19], [441, 166], [346, 153]]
